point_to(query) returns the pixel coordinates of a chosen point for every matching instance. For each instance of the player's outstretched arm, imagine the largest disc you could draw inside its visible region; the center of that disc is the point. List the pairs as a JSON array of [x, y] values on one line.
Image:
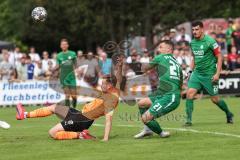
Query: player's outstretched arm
[[108, 126], [118, 73]]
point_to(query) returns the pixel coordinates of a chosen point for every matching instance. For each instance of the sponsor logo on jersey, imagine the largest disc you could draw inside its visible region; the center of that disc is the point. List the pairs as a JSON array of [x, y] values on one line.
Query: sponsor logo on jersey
[[67, 62], [198, 52]]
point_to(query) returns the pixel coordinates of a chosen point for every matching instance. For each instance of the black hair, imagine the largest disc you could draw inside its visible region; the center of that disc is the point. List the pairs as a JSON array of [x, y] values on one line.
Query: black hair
[[197, 23], [28, 57], [168, 42], [64, 40]]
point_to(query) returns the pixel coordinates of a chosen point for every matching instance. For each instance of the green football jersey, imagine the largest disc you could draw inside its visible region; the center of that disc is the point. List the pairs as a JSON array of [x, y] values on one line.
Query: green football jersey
[[66, 62], [203, 53], [169, 72]]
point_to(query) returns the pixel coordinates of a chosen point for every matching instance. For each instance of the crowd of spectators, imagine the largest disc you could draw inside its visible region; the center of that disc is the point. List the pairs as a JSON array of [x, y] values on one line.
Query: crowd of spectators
[[15, 65]]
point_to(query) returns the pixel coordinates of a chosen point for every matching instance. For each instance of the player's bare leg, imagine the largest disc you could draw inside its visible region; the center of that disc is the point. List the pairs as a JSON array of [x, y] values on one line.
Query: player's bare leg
[[143, 105], [59, 110], [41, 112], [223, 106], [191, 93]]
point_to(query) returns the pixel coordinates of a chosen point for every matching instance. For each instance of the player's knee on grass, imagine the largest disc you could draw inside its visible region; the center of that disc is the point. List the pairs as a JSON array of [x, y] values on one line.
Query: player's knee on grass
[[146, 117], [53, 131], [215, 99]]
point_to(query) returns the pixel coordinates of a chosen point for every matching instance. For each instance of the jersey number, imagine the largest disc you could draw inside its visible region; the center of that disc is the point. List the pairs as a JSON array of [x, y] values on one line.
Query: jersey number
[[174, 69]]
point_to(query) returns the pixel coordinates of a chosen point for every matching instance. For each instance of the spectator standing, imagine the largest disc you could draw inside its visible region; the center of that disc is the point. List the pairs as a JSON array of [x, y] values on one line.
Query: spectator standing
[[39, 72], [221, 39], [105, 65], [172, 35], [54, 58], [92, 73], [129, 58], [232, 59], [22, 68], [80, 58], [236, 37], [30, 67], [33, 55], [145, 59], [229, 35], [183, 37], [45, 61], [135, 65], [15, 56], [6, 68]]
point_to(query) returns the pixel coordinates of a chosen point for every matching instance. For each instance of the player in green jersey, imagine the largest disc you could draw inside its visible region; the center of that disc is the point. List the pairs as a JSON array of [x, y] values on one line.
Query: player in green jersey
[[167, 96], [66, 62], [206, 66]]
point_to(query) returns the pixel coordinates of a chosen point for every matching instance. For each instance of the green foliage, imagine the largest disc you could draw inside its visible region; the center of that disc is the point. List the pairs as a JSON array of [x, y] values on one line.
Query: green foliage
[[89, 23]]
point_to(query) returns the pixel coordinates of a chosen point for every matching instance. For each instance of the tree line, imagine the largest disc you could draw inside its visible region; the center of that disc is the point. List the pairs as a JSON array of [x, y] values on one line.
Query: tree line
[[89, 23]]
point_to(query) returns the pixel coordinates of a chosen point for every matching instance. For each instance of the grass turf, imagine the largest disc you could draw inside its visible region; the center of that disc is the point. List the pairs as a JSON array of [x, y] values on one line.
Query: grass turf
[[29, 139]]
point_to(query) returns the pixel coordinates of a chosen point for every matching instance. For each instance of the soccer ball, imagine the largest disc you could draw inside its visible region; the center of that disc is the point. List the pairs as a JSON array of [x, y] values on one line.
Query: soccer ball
[[39, 14]]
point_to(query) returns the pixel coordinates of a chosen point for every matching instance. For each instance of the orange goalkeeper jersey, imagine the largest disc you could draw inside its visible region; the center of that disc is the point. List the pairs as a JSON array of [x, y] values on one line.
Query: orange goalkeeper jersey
[[103, 105]]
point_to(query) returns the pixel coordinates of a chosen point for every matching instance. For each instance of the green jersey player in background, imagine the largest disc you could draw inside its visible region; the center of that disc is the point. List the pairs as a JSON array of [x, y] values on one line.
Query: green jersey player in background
[[206, 67], [66, 62], [168, 94]]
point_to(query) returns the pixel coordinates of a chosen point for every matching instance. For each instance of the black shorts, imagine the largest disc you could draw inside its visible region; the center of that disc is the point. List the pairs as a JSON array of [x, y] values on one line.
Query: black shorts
[[75, 121]]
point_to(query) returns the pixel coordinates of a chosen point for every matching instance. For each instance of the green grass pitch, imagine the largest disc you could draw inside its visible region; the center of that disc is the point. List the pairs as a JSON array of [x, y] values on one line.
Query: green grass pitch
[[209, 138]]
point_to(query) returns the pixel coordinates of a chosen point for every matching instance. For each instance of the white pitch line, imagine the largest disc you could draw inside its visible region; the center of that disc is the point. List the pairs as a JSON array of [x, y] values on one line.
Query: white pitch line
[[183, 130]]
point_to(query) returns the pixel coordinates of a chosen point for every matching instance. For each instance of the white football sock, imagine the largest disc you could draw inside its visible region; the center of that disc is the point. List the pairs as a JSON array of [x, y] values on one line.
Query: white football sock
[[25, 115]]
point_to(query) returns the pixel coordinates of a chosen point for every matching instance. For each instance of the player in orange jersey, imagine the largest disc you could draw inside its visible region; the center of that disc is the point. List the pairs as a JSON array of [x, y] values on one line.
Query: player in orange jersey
[[75, 123]]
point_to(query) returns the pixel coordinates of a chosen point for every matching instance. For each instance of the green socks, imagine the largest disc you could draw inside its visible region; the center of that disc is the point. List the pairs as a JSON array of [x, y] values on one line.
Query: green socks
[[223, 106], [74, 102], [67, 102], [142, 110], [154, 126], [189, 110]]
